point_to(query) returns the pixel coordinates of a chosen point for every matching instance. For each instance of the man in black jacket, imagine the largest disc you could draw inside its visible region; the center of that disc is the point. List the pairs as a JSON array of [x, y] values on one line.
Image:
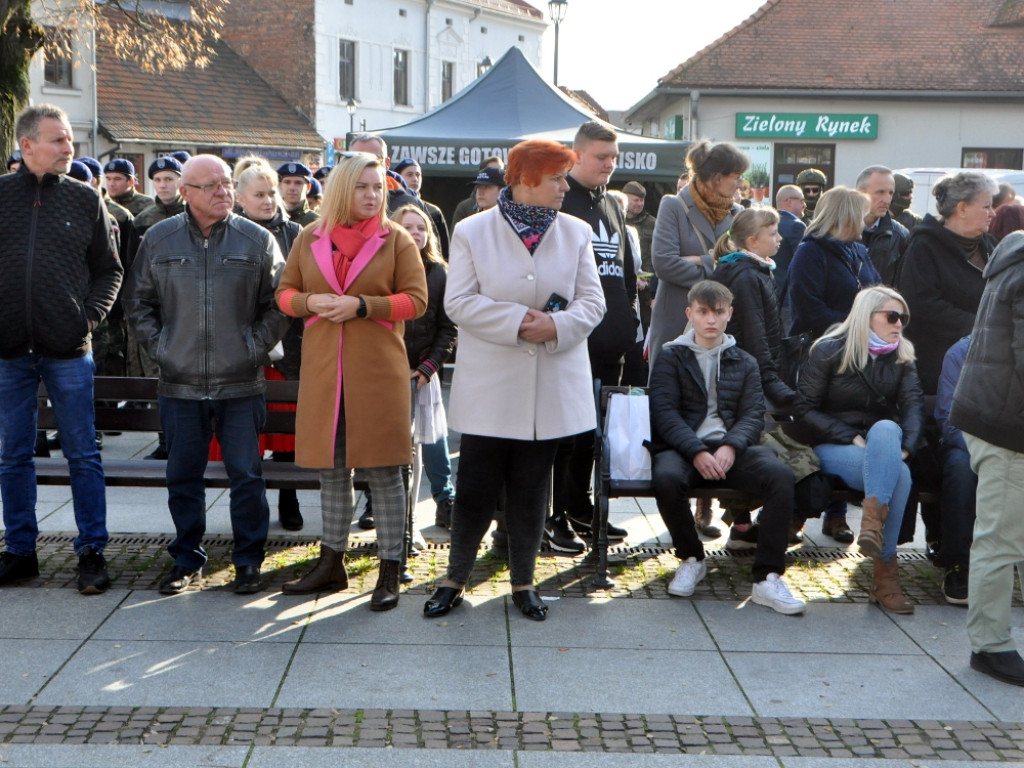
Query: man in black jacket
[[707, 414], [202, 304], [61, 277], [597, 153], [885, 238], [987, 406]]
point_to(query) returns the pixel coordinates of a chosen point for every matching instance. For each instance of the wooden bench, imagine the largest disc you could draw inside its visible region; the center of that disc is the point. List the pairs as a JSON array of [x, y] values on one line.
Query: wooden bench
[[111, 392], [606, 488]]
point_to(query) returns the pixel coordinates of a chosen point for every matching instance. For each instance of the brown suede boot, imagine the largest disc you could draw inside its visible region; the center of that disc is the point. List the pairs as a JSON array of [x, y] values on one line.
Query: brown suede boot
[[870, 539], [885, 587], [328, 575], [385, 594]]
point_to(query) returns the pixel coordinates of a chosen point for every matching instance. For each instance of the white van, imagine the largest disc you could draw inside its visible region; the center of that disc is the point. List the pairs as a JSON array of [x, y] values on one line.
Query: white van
[[924, 178]]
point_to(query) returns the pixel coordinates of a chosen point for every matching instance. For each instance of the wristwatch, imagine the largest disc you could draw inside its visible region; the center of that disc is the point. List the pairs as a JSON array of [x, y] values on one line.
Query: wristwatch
[[361, 312]]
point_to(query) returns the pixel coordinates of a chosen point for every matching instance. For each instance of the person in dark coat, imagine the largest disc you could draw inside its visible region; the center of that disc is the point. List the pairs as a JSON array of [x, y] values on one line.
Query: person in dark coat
[[707, 415], [429, 342], [885, 238], [831, 265], [256, 194], [860, 402], [790, 203], [412, 175], [987, 407], [942, 276], [744, 264]]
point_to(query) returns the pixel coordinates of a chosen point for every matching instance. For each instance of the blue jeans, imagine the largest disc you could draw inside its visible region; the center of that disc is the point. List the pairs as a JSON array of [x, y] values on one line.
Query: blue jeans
[[438, 466], [189, 426], [69, 384], [878, 470]]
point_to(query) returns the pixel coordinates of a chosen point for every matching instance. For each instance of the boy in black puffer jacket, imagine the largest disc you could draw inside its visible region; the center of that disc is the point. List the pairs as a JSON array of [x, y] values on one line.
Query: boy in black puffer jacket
[[707, 413]]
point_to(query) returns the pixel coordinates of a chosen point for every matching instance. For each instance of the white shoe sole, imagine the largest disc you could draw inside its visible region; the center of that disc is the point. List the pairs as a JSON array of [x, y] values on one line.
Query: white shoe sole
[[788, 610]]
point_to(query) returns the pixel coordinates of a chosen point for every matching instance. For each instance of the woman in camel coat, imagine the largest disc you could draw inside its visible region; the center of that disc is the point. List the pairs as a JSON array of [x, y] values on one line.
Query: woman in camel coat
[[355, 277]]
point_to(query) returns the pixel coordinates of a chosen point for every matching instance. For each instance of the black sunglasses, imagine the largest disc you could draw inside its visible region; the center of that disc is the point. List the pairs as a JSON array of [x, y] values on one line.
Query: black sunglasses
[[812, 190], [891, 315]]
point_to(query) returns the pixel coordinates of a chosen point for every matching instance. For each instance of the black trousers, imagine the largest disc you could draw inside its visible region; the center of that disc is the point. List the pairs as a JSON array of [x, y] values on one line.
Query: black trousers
[[757, 470], [487, 466]]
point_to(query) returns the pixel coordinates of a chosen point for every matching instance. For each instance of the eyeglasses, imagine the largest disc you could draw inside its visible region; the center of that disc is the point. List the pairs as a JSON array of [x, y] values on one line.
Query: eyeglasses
[[892, 316], [812, 190], [206, 189]]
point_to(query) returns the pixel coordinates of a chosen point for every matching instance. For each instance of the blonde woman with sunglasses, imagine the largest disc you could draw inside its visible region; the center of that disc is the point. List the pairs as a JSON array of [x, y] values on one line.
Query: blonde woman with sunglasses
[[860, 398]]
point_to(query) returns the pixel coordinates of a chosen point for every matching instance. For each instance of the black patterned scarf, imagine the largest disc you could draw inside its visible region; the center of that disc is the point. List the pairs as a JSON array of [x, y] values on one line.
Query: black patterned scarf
[[530, 222]]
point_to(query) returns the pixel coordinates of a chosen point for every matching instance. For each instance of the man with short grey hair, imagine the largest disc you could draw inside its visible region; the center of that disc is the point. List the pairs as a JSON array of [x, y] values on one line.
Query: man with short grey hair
[[202, 304], [885, 239]]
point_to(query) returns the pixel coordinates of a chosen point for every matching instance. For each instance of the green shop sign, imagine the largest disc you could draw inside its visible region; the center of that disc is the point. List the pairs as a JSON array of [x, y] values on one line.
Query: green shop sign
[[805, 125]]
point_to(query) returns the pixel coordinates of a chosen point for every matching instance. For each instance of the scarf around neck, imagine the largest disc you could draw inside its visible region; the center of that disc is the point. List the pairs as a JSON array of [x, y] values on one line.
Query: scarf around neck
[[876, 346], [745, 254], [713, 206], [530, 222], [347, 242]]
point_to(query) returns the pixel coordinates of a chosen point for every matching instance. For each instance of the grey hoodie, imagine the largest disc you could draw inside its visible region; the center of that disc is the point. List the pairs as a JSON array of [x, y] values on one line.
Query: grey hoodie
[[712, 429]]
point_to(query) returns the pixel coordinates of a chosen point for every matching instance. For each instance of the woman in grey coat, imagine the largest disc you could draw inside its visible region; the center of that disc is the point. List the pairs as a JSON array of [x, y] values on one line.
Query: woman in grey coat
[[688, 226]]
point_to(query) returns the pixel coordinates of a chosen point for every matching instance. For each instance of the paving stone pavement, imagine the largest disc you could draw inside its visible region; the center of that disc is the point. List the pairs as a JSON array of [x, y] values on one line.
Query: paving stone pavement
[[611, 680]]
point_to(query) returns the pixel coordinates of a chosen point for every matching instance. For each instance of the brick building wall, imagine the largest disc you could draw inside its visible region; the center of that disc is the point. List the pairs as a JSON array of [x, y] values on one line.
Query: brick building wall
[[277, 40]]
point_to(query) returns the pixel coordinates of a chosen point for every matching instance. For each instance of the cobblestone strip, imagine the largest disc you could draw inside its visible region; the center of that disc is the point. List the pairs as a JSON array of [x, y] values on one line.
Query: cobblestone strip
[[543, 731], [814, 573]]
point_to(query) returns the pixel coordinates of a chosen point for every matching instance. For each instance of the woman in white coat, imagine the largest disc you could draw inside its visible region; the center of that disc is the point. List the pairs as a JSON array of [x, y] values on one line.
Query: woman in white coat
[[523, 289]]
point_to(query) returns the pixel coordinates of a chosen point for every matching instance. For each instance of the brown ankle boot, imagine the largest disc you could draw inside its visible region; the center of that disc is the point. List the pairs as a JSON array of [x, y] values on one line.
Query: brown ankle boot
[[385, 594], [885, 587], [870, 539], [328, 575]]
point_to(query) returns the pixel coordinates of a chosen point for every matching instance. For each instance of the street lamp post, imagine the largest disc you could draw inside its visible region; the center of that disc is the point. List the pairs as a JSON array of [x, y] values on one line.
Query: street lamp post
[[556, 9], [351, 107]]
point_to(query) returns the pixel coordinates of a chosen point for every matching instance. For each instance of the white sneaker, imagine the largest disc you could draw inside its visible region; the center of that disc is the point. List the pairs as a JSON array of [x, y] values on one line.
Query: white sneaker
[[688, 575], [773, 593]]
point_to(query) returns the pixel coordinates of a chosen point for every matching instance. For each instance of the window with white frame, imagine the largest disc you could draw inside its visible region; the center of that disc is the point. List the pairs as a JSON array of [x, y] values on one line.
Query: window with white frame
[[346, 69], [401, 77], [447, 80]]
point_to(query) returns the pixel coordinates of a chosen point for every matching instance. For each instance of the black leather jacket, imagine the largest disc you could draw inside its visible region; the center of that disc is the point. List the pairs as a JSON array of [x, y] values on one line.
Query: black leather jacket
[[836, 407], [204, 306]]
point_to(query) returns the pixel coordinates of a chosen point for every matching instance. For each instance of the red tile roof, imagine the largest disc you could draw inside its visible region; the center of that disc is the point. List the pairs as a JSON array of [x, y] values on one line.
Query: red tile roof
[[225, 104], [903, 45], [514, 7]]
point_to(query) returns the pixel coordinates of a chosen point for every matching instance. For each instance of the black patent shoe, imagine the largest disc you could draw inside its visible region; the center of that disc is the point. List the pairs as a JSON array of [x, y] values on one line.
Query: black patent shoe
[[529, 603], [442, 601], [247, 580]]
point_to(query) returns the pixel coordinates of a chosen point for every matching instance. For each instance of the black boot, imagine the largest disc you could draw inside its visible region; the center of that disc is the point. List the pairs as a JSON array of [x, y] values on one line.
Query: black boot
[[366, 519], [385, 594], [288, 510]]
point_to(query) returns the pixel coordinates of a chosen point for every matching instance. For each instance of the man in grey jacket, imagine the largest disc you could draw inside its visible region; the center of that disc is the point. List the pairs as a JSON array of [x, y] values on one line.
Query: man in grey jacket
[[203, 307]]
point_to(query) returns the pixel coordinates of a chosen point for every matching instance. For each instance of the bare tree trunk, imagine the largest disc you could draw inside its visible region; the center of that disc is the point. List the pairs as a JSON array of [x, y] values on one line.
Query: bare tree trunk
[[20, 38]]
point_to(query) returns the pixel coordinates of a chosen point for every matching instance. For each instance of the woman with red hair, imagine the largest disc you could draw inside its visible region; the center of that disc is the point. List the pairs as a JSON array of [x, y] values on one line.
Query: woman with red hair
[[523, 289]]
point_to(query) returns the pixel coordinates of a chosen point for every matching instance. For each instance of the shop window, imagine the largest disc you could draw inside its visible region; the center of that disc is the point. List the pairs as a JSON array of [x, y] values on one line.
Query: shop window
[[790, 159], [974, 157]]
